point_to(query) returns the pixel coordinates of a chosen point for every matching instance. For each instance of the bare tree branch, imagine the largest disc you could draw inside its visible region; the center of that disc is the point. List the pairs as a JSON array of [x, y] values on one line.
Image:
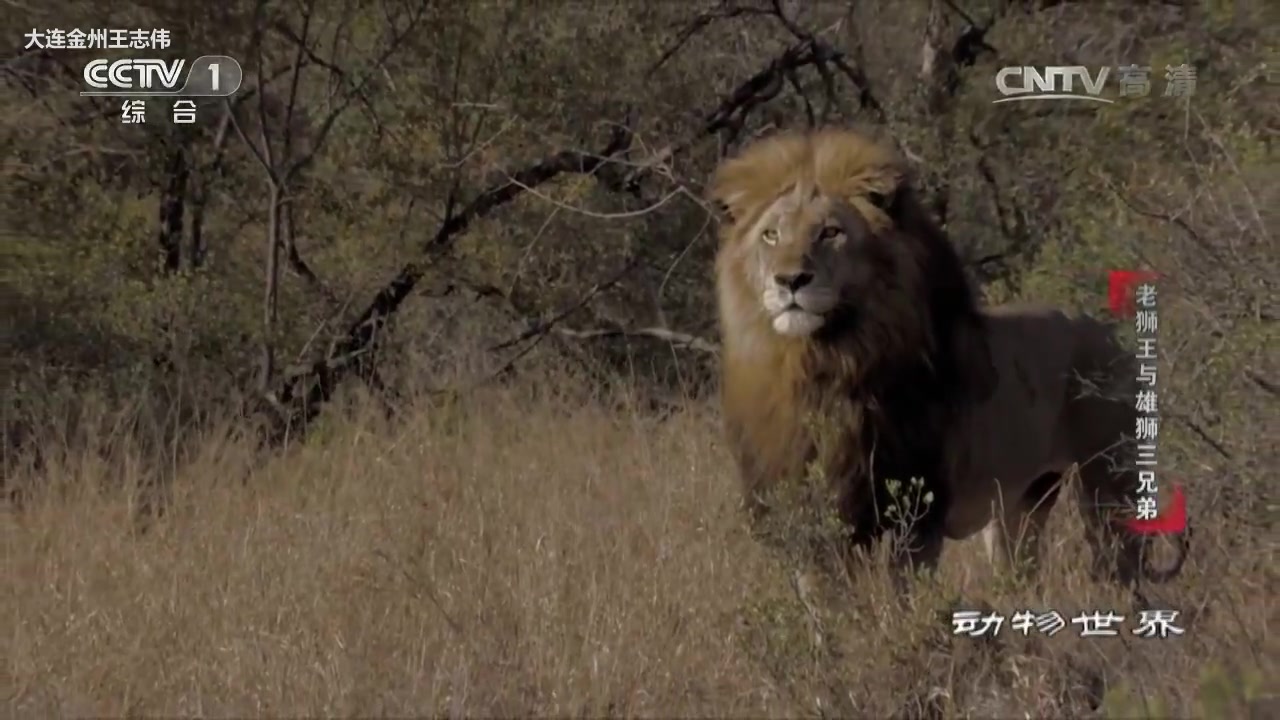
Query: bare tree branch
[[726, 9], [315, 383], [264, 153], [679, 339], [296, 263], [356, 91], [542, 327], [308, 389], [173, 200], [283, 168], [1176, 219], [1262, 382]]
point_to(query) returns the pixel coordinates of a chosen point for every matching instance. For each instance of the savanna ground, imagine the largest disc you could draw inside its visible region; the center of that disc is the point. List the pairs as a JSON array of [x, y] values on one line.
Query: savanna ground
[[537, 552], [415, 414]]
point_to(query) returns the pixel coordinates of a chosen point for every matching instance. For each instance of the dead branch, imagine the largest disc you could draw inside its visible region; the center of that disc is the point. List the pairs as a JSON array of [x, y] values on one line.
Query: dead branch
[[295, 260], [355, 92], [1176, 219], [283, 167], [542, 327], [1262, 382], [1012, 223], [314, 384], [173, 200], [726, 10], [673, 337], [356, 88], [1200, 432], [729, 117], [307, 390]]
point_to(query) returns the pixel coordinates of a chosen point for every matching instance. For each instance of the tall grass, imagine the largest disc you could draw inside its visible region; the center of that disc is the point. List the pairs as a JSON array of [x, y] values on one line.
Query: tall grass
[[536, 550]]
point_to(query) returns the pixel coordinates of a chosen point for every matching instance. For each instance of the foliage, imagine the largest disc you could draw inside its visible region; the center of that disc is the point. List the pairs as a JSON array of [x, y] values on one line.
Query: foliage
[[1220, 694], [129, 328]]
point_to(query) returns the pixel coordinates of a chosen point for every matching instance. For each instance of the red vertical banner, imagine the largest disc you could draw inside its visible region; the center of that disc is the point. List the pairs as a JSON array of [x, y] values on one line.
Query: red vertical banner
[[1121, 285], [1171, 520]]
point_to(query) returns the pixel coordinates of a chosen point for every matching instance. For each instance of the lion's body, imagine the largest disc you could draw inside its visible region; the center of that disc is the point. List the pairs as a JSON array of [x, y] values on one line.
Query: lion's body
[[852, 341], [1022, 431]]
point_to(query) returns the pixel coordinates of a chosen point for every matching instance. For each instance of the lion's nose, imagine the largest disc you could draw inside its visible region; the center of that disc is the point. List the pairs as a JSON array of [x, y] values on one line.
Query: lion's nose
[[793, 281]]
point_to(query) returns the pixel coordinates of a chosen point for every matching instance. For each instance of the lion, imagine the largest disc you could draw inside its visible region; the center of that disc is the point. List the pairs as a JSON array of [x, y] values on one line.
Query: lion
[[845, 310]]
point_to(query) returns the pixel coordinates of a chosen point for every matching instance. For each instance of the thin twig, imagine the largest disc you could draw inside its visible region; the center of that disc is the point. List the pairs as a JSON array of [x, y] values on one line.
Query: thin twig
[[674, 337]]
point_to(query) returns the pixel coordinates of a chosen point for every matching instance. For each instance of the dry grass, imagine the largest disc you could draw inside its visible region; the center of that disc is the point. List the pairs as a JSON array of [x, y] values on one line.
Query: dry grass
[[532, 554]]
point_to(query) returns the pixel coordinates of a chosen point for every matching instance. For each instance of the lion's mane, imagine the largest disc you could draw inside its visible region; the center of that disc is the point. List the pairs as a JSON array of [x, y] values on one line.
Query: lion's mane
[[890, 382]]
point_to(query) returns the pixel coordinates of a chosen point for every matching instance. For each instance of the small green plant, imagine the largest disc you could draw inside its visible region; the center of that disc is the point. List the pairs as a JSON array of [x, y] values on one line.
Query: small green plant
[[907, 505], [804, 519], [1221, 694]]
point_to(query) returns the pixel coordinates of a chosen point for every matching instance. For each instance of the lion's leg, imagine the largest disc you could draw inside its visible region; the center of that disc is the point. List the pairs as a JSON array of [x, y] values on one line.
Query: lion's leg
[[1099, 420], [1105, 499], [995, 542], [995, 536], [1036, 504], [1013, 538]]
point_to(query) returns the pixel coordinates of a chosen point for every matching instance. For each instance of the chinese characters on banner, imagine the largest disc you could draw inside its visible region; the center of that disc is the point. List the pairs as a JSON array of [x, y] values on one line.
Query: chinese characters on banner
[[1147, 426], [1134, 295], [1149, 623]]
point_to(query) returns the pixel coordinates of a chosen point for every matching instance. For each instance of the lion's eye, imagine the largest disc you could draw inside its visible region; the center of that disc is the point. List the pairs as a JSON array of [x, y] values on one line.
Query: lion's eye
[[770, 236], [829, 232]]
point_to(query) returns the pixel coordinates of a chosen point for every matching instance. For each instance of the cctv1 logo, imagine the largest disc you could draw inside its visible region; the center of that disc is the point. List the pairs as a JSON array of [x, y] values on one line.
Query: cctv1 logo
[[209, 76], [142, 74]]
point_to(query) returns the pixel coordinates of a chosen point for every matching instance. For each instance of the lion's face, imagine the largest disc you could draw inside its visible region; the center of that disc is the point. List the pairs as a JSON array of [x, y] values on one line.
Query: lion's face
[[811, 258]]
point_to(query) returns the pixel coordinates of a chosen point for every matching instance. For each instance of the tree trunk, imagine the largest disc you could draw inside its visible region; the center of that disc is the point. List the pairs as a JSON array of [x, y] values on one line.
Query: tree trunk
[[271, 282], [173, 204]]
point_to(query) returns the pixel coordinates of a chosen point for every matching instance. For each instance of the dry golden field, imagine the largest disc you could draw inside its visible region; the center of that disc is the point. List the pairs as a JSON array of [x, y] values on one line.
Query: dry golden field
[[539, 552]]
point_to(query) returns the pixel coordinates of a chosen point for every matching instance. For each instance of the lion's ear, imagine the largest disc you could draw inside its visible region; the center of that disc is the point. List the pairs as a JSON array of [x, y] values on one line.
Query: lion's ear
[[729, 205], [728, 191], [897, 199], [740, 182], [887, 202]]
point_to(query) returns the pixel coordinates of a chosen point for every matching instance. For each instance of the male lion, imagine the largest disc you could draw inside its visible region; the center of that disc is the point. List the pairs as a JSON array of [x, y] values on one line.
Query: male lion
[[843, 307]]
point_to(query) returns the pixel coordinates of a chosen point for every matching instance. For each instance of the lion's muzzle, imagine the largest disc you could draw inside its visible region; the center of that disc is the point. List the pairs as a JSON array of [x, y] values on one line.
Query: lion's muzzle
[[796, 303], [793, 281]]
